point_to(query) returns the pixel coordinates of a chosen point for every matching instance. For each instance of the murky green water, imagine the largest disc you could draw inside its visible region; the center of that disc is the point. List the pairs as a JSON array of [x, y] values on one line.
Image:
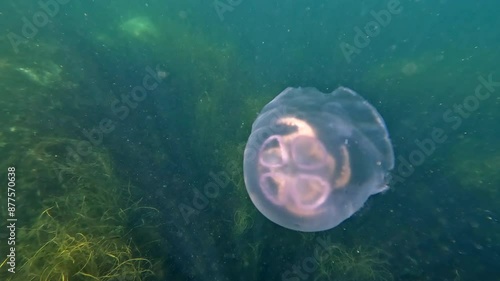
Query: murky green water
[[125, 125]]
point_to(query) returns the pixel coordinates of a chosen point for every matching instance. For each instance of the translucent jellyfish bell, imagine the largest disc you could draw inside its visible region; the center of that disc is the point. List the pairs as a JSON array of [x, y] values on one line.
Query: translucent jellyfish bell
[[313, 159]]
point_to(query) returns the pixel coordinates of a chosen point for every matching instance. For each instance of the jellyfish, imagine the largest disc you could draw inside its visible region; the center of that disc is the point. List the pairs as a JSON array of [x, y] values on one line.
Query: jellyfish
[[313, 159]]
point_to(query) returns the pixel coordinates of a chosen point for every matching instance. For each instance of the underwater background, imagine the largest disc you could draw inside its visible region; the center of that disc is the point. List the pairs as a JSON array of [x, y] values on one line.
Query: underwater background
[[126, 122]]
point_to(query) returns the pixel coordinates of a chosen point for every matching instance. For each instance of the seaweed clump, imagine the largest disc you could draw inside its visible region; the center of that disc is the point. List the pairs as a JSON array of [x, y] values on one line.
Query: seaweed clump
[[81, 231], [358, 263]]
